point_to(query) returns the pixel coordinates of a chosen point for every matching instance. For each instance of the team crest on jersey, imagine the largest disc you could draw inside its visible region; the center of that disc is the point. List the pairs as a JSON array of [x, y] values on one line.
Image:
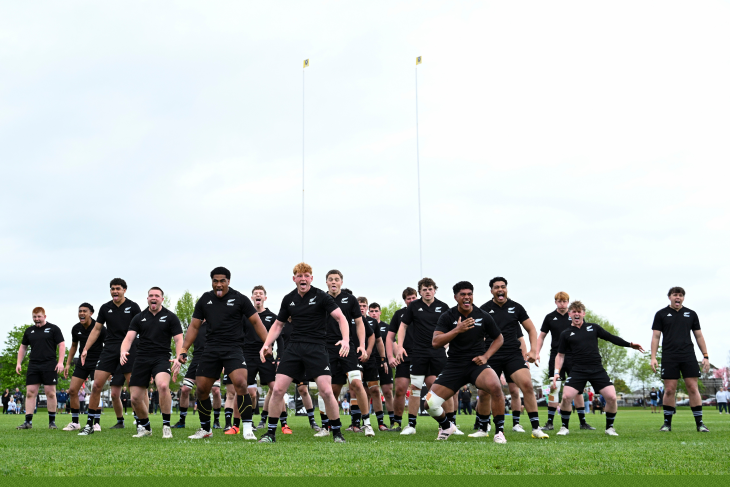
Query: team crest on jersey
[[438, 310], [511, 310], [312, 301], [686, 314], [162, 320], [477, 322], [231, 302], [48, 330], [344, 300], [590, 328], [126, 310], [268, 318]]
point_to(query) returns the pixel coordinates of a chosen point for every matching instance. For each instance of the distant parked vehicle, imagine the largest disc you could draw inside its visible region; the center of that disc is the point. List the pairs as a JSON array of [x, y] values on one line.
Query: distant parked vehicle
[[683, 402], [710, 402]]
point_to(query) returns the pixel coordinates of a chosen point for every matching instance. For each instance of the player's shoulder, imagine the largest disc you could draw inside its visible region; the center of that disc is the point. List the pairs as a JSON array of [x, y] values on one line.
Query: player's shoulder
[[488, 305], [441, 304], [414, 304], [511, 303], [169, 312], [686, 310], [667, 310], [131, 304], [105, 306], [77, 327]]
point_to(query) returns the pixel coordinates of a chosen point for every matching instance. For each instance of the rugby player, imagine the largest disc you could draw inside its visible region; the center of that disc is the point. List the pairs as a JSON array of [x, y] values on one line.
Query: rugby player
[[43, 367], [675, 325], [79, 334], [464, 329], [371, 372], [116, 315], [225, 310], [156, 326], [385, 373], [402, 369], [306, 352], [426, 362], [554, 323], [509, 315], [579, 343]]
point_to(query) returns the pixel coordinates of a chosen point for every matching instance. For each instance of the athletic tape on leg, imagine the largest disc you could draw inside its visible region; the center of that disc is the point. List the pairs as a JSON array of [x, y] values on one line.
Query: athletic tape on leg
[[353, 375], [322, 407], [188, 383], [417, 383], [434, 405], [217, 383]]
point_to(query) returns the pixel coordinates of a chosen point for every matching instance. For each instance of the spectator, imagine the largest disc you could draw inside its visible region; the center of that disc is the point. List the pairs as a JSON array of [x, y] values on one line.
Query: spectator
[[156, 400], [124, 397], [82, 399], [345, 407], [597, 405], [11, 405], [60, 404], [590, 399], [18, 397], [722, 397], [6, 400], [654, 398], [660, 401], [586, 402], [465, 400]]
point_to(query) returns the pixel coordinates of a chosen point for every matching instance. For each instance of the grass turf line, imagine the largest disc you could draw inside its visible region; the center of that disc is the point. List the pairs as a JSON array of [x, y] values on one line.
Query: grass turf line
[[641, 449]]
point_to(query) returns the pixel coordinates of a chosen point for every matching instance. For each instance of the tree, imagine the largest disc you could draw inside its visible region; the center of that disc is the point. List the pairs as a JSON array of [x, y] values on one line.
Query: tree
[[620, 386], [641, 373], [387, 312], [615, 359], [184, 308]]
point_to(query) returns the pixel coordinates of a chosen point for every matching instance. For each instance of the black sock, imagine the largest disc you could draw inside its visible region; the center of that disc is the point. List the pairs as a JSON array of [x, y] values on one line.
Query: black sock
[[498, 423], [515, 418], [166, 419], [356, 415], [310, 416], [29, 418], [582, 417], [551, 414], [397, 419], [451, 417], [534, 419], [391, 416], [336, 425], [444, 423], [610, 417], [264, 415], [566, 419], [412, 420], [120, 420], [237, 422], [379, 417], [228, 416], [271, 425], [283, 417], [325, 420], [89, 417], [52, 417], [245, 408], [147, 424], [183, 415], [217, 414], [668, 413], [697, 412], [483, 421], [97, 416], [74, 416], [204, 407]]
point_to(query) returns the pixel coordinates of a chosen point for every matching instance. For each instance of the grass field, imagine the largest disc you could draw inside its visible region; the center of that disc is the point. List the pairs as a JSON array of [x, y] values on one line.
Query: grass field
[[641, 449]]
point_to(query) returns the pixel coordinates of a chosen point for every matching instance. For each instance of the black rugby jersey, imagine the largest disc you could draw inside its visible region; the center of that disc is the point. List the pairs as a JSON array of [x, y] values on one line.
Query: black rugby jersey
[[677, 327], [394, 325], [508, 318], [555, 323], [117, 320], [351, 309], [465, 346], [308, 313], [421, 320], [226, 317], [79, 335], [155, 332], [581, 345], [42, 341]]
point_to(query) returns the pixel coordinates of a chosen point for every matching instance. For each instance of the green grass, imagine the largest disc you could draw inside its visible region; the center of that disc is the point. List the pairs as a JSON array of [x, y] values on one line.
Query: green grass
[[641, 449]]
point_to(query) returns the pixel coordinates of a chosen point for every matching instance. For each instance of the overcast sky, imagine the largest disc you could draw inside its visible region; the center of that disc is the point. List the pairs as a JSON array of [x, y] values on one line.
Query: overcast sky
[[574, 146]]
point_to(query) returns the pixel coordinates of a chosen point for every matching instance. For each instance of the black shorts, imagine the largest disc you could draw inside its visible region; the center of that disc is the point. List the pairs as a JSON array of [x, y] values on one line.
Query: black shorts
[[458, 374], [403, 369], [578, 378], [302, 360], [340, 366], [118, 379], [385, 377], [509, 365], [85, 372], [109, 359], [672, 369], [428, 365], [213, 362], [36, 376], [564, 370], [146, 368], [192, 369], [265, 370], [370, 372]]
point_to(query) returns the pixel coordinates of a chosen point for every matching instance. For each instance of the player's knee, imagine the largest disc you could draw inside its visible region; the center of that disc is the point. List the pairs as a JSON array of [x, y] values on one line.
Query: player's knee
[[373, 386], [434, 405], [417, 383], [352, 376], [187, 386]]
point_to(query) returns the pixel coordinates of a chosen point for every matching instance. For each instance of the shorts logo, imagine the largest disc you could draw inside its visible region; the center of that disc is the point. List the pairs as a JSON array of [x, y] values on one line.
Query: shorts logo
[[209, 302], [231, 302], [590, 328], [126, 310], [243, 363]]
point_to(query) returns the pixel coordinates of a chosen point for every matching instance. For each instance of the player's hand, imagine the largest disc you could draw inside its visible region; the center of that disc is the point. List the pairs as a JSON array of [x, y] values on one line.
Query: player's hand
[[344, 348], [638, 347], [654, 365], [392, 362], [123, 358], [399, 354], [175, 368], [59, 367], [466, 325], [83, 357], [385, 366], [65, 372], [265, 350], [17, 369], [537, 360], [555, 382], [705, 365], [480, 360], [363, 354], [531, 356]]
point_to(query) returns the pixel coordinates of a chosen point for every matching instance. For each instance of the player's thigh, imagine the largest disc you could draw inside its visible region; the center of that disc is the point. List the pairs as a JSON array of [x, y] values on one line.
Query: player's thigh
[[487, 380], [569, 392], [441, 391], [692, 384], [608, 393]]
